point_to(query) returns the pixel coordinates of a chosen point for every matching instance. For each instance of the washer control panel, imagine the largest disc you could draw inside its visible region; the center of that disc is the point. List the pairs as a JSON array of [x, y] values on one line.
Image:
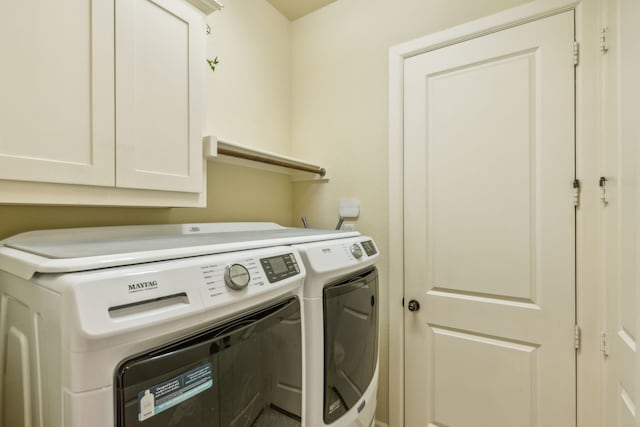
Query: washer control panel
[[242, 274], [280, 267], [130, 297], [220, 278]]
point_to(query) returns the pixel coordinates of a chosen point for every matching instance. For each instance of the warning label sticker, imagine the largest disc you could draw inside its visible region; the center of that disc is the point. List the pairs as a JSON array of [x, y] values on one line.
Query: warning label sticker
[[170, 393]]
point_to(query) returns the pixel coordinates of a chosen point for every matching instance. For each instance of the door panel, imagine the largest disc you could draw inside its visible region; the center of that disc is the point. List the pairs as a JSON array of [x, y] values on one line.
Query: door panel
[[480, 185], [159, 104], [453, 369], [620, 254], [490, 230], [56, 102]]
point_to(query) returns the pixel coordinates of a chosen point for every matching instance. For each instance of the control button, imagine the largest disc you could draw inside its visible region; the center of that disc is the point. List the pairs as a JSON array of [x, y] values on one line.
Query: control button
[[356, 251], [236, 276]]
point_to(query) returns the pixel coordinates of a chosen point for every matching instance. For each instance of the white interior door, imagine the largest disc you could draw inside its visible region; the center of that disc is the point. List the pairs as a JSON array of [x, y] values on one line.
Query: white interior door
[[620, 212], [490, 230]]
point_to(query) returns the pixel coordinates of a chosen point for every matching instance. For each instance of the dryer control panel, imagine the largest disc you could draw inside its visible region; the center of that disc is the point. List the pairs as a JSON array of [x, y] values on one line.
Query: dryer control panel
[[280, 267], [338, 255], [369, 247]]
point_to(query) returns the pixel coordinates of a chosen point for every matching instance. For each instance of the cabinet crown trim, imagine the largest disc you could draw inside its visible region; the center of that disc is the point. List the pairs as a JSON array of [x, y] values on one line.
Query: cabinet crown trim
[[206, 6]]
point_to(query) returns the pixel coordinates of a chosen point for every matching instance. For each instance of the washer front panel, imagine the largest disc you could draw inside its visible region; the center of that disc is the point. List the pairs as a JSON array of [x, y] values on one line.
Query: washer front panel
[[117, 301]]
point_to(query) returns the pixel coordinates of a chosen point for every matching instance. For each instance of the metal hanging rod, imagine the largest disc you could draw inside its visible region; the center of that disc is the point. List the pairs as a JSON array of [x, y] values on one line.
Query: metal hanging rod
[[215, 147], [270, 161]]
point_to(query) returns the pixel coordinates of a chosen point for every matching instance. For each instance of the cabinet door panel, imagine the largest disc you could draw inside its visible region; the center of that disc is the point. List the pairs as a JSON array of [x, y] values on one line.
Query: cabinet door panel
[[57, 83], [159, 74]]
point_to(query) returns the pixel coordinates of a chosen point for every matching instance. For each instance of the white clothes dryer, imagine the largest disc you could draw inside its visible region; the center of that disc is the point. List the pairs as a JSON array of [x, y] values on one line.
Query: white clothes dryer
[[341, 331], [151, 326]]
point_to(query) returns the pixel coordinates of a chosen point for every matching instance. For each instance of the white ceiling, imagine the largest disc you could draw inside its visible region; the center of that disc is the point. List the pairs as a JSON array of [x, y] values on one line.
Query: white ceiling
[[294, 9]]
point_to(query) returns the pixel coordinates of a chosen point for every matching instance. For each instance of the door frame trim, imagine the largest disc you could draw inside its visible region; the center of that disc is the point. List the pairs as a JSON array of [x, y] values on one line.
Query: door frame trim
[[588, 306]]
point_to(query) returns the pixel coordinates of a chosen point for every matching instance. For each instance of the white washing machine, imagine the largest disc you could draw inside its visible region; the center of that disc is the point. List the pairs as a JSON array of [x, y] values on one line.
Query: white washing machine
[[152, 326], [341, 331]]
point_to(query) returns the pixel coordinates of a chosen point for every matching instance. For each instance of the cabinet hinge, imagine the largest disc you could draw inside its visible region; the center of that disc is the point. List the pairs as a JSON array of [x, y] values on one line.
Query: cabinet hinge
[[603, 345], [576, 192], [576, 337], [604, 47], [576, 53]]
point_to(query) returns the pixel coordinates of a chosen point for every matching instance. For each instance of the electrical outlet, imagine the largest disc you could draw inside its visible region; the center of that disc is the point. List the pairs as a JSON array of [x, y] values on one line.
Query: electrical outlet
[[349, 226]]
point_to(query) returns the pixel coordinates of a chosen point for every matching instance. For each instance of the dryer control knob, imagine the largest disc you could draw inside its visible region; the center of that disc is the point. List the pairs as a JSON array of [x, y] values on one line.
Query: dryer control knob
[[236, 276], [356, 251]]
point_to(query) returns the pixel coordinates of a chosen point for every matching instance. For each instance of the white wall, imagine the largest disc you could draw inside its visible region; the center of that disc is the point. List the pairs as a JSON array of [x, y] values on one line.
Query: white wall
[[340, 108], [249, 94], [248, 101]]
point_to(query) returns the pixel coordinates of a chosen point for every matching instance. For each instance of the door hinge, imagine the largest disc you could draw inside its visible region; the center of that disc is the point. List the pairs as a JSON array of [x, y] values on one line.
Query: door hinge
[[576, 53], [576, 192], [604, 48], [576, 336], [603, 345], [602, 183]]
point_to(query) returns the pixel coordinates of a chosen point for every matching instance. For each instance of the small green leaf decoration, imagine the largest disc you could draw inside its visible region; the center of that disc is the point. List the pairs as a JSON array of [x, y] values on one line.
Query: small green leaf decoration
[[212, 63]]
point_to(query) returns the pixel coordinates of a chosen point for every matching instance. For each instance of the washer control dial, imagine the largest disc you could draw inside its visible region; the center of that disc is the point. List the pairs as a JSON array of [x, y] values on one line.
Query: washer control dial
[[236, 276], [356, 251]]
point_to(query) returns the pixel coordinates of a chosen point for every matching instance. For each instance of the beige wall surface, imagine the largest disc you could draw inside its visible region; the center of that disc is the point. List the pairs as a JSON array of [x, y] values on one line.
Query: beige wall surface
[[248, 101], [249, 95], [340, 108]]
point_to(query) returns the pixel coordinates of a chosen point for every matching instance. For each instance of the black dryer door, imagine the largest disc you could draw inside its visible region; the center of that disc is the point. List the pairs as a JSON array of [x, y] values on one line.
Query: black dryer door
[[350, 341]]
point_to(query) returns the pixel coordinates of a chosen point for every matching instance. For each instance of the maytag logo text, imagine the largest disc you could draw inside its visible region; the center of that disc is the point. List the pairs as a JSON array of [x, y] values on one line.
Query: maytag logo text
[[143, 286]]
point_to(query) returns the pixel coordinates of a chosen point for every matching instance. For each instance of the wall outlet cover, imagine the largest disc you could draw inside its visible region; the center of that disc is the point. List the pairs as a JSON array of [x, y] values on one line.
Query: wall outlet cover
[[349, 208]]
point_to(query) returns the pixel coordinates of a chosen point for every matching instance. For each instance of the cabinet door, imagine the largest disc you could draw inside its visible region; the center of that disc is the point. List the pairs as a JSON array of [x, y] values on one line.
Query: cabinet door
[[56, 91], [159, 82]]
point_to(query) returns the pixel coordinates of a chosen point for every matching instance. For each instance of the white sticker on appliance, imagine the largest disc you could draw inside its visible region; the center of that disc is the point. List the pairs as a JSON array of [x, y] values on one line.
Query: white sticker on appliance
[[170, 393]]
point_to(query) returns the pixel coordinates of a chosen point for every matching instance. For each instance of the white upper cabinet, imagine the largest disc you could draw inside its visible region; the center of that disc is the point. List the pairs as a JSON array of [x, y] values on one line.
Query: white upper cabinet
[[104, 95], [56, 86], [160, 58]]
